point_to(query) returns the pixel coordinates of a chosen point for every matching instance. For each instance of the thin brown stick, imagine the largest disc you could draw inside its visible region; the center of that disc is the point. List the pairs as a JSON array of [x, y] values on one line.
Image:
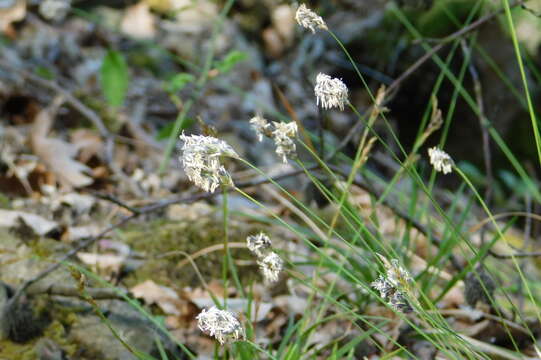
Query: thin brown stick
[[483, 121], [516, 255], [416, 65], [208, 250], [113, 199], [73, 291]]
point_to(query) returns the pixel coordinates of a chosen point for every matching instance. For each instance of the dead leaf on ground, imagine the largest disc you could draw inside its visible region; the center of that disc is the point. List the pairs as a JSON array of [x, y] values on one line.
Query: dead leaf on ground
[[88, 142], [57, 154], [109, 262], [82, 204], [139, 22], [75, 233], [11, 11], [166, 298], [37, 224]]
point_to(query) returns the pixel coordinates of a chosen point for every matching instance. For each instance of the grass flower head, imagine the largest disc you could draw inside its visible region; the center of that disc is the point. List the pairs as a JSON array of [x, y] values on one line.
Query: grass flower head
[[221, 324], [271, 265], [259, 244], [393, 285], [201, 161], [330, 92], [441, 161], [309, 19], [261, 127], [283, 136]]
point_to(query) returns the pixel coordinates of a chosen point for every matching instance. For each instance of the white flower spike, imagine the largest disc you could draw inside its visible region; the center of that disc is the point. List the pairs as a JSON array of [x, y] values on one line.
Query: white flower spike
[[261, 127], [271, 265], [393, 285], [441, 161], [259, 244], [309, 19], [201, 161], [330, 92], [283, 135], [221, 324]]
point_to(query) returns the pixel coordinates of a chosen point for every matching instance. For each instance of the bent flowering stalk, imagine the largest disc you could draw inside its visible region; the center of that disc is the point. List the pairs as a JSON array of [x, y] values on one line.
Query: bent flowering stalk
[[440, 160], [330, 92], [283, 135], [221, 324], [309, 19], [201, 161], [393, 285]]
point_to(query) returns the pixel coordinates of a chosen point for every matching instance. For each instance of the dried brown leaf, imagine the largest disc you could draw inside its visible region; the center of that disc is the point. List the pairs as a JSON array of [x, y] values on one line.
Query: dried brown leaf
[[166, 298], [139, 22], [57, 154], [13, 12], [39, 225]]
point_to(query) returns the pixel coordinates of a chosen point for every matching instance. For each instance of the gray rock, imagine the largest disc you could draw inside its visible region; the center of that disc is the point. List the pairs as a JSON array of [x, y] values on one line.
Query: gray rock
[[93, 335], [47, 349]]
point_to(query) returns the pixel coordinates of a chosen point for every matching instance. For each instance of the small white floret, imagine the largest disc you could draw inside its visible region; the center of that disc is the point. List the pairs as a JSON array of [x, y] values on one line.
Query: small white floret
[[393, 285], [330, 92], [261, 127], [271, 265], [201, 161], [283, 136], [259, 244], [309, 19], [441, 161], [221, 324]]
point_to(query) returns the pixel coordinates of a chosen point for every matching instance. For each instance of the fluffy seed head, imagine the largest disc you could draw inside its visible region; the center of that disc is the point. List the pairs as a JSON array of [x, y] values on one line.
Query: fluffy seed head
[[261, 127], [309, 19], [396, 274], [441, 161], [330, 92], [259, 244], [271, 265], [201, 161], [283, 136], [393, 285], [221, 324]]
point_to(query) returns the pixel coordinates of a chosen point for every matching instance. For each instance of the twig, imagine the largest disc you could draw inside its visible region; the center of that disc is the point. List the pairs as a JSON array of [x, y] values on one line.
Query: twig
[[205, 251], [516, 255], [416, 65], [483, 123], [117, 201], [73, 291]]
